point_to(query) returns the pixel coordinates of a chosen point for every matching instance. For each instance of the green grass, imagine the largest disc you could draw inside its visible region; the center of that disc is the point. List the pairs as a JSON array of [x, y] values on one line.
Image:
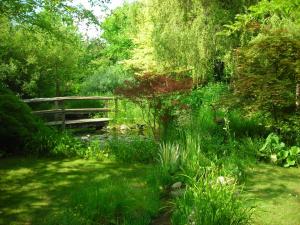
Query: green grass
[[276, 193], [38, 191]]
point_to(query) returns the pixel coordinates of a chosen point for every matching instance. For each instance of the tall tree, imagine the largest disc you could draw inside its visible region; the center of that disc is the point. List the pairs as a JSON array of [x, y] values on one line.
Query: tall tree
[[267, 69], [118, 30], [32, 59], [182, 35]]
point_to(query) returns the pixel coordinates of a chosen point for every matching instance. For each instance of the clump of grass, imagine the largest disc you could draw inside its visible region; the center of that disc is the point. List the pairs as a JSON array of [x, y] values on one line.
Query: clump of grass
[[133, 149], [241, 126], [120, 201], [109, 203], [208, 202], [169, 157], [66, 145], [204, 159], [158, 177], [193, 160]]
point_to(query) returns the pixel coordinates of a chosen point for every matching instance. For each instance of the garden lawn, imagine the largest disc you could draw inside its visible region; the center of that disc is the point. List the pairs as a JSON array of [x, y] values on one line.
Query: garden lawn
[[276, 193], [73, 191]]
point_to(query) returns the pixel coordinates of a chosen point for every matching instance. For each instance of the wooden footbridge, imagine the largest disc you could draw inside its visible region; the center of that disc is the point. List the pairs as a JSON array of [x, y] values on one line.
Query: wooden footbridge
[[61, 115]]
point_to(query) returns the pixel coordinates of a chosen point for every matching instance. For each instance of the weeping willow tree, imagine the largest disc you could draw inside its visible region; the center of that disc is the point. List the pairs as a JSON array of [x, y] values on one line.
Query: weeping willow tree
[[181, 35]]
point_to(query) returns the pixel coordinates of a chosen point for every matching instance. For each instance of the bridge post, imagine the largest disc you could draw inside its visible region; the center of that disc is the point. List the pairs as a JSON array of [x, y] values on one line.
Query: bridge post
[[63, 115], [116, 106], [56, 106], [106, 106]]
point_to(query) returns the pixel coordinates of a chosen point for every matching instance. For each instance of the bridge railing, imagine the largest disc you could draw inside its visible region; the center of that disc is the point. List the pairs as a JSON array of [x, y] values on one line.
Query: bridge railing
[[62, 111]]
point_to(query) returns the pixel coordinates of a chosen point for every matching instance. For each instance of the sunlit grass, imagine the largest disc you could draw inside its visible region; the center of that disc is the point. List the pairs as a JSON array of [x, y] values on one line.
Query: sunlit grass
[[276, 193], [32, 190]]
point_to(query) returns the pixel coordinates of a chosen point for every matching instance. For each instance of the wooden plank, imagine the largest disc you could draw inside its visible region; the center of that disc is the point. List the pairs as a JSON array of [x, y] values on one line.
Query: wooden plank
[[82, 121], [73, 111], [67, 98]]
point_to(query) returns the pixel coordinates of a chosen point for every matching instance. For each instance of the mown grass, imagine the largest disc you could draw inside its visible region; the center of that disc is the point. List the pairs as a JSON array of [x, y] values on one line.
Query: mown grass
[[45, 191], [276, 194]]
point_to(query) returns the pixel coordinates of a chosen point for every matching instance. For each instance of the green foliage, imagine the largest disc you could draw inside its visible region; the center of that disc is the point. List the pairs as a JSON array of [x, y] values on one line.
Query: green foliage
[[20, 131], [263, 16], [265, 65], [208, 202], [133, 149], [211, 117], [205, 156], [259, 19], [159, 96], [290, 157], [66, 145], [180, 36], [278, 152], [29, 12], [93, 151], [36, 63], [160, 178], [205, 144], [109, 203], [268, 66], [193, 161], [128, 113], [105, 80], [205, 95], [169, 157], [272, 145], [249, 146], [266, 81], [117, 31]]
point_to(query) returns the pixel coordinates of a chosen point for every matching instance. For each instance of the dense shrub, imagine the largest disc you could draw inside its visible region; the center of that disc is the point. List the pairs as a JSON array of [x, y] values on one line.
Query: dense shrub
[[104, 80], [20, 131], [267, 79]]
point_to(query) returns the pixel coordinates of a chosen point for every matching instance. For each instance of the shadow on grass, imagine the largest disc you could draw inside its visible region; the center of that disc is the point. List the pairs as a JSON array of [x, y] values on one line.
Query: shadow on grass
[[268, 181], [276, 191], [30, 189]]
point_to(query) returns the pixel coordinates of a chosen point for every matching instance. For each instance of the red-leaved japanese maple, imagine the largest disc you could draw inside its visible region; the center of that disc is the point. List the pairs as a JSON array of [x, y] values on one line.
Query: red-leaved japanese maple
[[154, 92]]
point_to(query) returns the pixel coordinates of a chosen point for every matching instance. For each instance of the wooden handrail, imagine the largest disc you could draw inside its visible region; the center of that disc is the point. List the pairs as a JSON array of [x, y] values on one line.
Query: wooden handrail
[[55, 99], [73, 111], [80, 121], [61, 111]]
